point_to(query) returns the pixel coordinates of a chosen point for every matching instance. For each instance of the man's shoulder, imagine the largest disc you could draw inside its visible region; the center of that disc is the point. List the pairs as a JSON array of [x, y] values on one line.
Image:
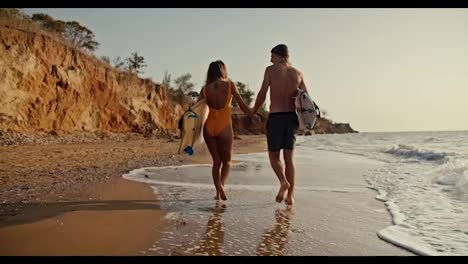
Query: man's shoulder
[[270, 67], [296, 70]]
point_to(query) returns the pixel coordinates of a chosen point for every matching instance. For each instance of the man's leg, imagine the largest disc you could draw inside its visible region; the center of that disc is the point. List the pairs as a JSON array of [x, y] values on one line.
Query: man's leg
[[290, 174], [275, 131], [288, 153], [277, 166]]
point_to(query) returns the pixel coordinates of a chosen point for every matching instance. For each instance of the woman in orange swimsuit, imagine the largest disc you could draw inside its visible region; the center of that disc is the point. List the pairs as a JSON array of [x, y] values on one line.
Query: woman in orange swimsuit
[[217, 130]]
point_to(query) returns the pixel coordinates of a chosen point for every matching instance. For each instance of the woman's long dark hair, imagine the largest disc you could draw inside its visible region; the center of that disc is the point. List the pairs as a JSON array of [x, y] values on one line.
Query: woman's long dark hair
[[216, 70]]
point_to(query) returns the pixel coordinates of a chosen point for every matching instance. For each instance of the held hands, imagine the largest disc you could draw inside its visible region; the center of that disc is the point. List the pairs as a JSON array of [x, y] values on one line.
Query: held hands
[[254, 116], [251, 113]]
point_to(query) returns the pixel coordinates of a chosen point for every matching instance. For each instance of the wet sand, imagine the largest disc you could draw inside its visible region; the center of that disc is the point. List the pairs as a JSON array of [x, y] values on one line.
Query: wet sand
[[121, 220], [335, 213]]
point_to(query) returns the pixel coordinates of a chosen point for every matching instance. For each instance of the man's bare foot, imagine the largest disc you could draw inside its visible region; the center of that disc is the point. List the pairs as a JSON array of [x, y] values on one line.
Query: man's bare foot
[[280, 196], [217, 197], [289, 200], [222, 194]]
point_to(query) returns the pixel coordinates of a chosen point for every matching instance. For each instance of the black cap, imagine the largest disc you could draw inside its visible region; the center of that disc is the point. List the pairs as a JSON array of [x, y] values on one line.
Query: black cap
[[281, 50]]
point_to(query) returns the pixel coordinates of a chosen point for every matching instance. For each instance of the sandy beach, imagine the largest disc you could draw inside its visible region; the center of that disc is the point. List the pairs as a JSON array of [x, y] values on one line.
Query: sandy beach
[[71, 199]]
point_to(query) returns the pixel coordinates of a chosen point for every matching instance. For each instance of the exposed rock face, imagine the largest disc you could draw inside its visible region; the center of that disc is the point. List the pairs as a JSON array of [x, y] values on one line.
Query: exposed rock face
[[244, 125], [325, 126], [48, 85]]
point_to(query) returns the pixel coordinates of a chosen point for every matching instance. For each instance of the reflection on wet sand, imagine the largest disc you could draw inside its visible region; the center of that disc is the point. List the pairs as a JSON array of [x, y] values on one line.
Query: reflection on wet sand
[[274, 241], [212, 243]]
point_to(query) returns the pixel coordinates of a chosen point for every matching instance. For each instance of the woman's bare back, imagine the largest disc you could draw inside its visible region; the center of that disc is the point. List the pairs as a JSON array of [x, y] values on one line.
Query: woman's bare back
[[217, 93]]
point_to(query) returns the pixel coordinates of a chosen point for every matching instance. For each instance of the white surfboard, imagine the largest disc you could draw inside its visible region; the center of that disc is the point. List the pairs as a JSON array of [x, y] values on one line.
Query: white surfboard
[[192, 126], [307, 111]]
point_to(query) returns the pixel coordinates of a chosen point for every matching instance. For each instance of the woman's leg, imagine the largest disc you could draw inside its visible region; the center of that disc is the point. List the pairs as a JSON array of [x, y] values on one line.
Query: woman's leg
[[225, 139], [212, 145]]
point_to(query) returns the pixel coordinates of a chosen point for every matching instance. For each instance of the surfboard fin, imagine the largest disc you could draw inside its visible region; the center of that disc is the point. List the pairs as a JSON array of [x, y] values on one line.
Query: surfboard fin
[[188, 150]]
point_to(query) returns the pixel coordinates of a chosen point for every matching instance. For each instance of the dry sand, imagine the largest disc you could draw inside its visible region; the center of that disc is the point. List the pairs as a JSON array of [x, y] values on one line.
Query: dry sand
[[70, 199]]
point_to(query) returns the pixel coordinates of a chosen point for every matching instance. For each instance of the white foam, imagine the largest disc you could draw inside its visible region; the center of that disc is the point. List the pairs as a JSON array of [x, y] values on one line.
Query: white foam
[[424, 220], [400, 237], [300, 140], [407, 151], [417, 184], [139, 176], [172, 216], [424, 186], [397, 217], [454, 175], [461, 187], [155, 190], [382, 196]]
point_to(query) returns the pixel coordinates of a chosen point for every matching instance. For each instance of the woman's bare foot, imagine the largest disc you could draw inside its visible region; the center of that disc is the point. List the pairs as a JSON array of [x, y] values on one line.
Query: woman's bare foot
[[222, 194], [217, 197], [280, 196]]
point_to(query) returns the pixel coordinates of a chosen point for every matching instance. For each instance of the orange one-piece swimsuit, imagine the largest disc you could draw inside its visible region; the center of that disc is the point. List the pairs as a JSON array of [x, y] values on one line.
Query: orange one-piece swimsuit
[[218, 119]]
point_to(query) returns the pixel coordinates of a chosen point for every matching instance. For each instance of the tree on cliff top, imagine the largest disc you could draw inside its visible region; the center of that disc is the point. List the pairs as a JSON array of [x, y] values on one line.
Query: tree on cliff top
[[106, 59], [245, 93], [11, 12], [167, 80], [184, 84], [182, 89], [119, 63], [80, 36], [136, 63], [72, 31], [48, 23]]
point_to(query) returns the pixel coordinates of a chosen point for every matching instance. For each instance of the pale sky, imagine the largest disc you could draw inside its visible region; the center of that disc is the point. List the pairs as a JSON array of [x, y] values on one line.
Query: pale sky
[[377, 69]]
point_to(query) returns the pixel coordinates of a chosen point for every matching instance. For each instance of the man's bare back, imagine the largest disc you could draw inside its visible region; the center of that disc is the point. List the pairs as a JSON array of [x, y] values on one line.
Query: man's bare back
[[284, 81]]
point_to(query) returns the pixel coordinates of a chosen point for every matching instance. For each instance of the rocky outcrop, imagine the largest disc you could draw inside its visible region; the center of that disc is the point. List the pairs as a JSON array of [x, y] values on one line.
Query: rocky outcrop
[[325, 126], [245, 125], [47, 85]]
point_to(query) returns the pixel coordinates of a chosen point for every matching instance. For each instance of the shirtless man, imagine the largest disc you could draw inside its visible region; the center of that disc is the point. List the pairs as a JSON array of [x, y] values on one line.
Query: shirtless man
[[282, 123]]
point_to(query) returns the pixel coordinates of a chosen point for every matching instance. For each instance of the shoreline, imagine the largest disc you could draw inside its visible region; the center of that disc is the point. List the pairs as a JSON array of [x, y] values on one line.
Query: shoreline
[[321, 207], [128, 211]]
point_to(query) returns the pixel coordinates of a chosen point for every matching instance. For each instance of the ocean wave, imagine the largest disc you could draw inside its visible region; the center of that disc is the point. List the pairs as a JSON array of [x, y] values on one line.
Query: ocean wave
[[454, 175], [408, 152], [431, 139]]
